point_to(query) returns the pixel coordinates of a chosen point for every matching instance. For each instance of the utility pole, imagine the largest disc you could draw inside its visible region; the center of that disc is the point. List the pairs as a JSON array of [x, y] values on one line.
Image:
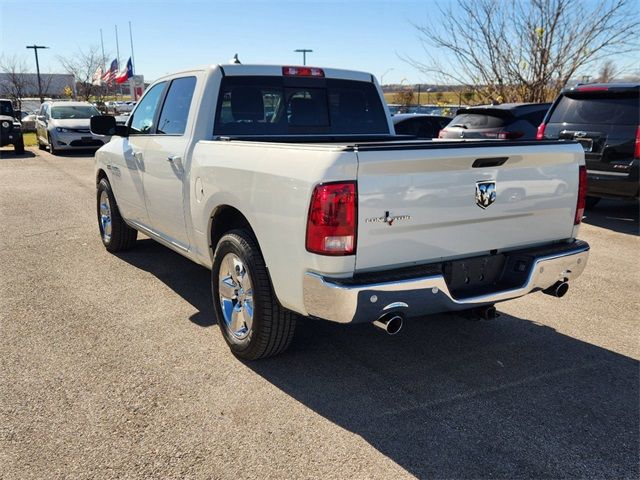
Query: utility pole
[[35, 49], [304, 52]]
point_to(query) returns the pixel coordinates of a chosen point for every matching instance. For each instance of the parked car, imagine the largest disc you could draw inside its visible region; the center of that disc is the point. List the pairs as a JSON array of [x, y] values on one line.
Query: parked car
[[605, 119], [421, 126], [28, 121], [508, 121], [316, 208], [65, 126], [10, 128]]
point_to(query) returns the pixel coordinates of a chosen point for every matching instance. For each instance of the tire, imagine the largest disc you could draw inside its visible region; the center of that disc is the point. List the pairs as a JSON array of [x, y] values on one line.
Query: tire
[[18, 147], [265, 328], [591, 202], [116, 235], [52, 149]]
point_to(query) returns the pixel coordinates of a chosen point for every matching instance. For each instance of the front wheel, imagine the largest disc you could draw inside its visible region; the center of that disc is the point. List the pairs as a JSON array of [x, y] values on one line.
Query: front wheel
[[52, 149], [252, 321], [115, 233]]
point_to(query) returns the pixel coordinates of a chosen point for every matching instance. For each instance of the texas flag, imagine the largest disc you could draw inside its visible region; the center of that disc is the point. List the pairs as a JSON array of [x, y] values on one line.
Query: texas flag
[[126, 73]]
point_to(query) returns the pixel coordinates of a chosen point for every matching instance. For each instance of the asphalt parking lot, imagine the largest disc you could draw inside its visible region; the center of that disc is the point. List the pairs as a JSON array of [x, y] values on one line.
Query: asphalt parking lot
[[112, 366]]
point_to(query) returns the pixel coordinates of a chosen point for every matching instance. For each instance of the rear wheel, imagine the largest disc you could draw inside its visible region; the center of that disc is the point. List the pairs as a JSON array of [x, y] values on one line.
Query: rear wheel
[[591, 202], [18, 147], [252, 321], [115, 233]]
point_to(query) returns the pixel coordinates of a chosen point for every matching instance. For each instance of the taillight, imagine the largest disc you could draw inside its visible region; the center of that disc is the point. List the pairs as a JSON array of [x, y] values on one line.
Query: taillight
[[592, 88], [302, 72], [510, 135], [540, 132], [582, 194], [332, 221], [636, 154]]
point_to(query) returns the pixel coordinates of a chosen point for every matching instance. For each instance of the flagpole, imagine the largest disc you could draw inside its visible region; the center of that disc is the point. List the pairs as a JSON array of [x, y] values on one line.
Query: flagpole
[[102, 92], [133, 65], [133, 60], [102, 45], [118, 56]]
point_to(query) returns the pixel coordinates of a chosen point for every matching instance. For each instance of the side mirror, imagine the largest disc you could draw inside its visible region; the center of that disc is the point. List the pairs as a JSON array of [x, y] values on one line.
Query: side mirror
[[40, 117], [106, 125]]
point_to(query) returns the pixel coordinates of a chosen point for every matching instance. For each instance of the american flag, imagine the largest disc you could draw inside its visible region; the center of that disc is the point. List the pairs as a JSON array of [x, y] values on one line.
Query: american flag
[[110, 75]]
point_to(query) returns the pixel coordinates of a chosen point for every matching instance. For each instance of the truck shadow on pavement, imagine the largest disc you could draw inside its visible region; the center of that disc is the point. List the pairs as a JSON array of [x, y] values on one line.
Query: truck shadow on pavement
[[9, 154], [187, 279], [454, 398], [617, 215], [450, 397]]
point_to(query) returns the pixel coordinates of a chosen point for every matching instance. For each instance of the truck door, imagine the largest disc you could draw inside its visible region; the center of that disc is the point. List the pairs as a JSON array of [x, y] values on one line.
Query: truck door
[[164, 180], [128, 169]]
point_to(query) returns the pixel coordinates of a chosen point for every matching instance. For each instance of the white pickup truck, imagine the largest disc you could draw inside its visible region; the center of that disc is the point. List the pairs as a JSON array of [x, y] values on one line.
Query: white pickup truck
[[290, 184]]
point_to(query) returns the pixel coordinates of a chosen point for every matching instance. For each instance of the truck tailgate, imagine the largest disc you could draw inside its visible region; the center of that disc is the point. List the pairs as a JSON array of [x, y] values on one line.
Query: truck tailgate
[[418, 203]]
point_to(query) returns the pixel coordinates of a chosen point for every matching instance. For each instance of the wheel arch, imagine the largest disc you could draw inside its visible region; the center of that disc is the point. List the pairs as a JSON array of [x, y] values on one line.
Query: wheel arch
[[100, 174], [223, 219]]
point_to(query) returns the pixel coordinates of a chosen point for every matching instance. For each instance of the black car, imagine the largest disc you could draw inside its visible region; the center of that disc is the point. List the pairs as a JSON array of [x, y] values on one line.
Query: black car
[[605, 119], [421, 126], [10, 127], [508, 121]]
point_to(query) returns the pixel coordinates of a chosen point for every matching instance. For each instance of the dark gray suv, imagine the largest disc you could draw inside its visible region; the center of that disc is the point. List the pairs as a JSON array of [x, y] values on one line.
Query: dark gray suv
[[605, 119], [10, 127]]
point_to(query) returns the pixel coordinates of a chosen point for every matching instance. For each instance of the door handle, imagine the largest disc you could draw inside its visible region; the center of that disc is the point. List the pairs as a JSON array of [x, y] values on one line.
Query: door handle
[[174, 158]]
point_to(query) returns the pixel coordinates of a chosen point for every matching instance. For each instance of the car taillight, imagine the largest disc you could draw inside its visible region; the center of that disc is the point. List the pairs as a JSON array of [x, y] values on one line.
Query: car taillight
[[592, 88], [302, 72], [540, 132], [636, 154], [509, 135], [332, 221], [582, 194]]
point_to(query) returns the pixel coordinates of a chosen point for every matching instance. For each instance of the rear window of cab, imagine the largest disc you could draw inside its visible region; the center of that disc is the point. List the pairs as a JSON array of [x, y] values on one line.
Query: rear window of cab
[[255, 105]]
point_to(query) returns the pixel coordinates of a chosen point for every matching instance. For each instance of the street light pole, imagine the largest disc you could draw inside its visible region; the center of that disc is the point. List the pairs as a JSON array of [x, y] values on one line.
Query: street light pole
[[35, 49], [304, 52]]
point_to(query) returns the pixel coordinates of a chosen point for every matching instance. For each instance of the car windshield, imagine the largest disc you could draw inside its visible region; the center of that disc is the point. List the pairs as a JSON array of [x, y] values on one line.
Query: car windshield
[[73, 112], [6, 109], [598, 108]]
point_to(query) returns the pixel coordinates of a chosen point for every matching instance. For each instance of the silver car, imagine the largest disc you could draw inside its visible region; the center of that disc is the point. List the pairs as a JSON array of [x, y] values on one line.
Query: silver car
[[65, 126]]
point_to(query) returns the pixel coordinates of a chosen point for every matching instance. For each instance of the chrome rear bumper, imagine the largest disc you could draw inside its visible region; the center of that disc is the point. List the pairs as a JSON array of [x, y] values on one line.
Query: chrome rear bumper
[[347, 302]]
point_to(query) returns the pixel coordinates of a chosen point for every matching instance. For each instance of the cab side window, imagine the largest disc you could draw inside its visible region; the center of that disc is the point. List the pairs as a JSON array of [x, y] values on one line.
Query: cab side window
[[145, 113], [175, 111]]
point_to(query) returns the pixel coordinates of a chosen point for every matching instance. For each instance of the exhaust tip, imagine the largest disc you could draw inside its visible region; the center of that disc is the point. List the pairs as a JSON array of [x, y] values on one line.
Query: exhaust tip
[[390, 323], [558, 289]]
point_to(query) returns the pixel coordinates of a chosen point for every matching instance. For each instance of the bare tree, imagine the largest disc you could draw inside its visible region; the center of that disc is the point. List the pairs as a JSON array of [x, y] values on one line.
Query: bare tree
[[404, 98], [82, 65], [608, 72], [17, 83], [524, 50]]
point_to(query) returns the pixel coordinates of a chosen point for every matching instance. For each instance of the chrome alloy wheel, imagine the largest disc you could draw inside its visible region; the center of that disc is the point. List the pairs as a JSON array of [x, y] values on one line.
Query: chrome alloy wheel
[[236, 296], [105, 216]]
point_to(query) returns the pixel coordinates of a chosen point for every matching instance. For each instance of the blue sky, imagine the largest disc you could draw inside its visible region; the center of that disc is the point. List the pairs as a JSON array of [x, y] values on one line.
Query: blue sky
[[170, 35]]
